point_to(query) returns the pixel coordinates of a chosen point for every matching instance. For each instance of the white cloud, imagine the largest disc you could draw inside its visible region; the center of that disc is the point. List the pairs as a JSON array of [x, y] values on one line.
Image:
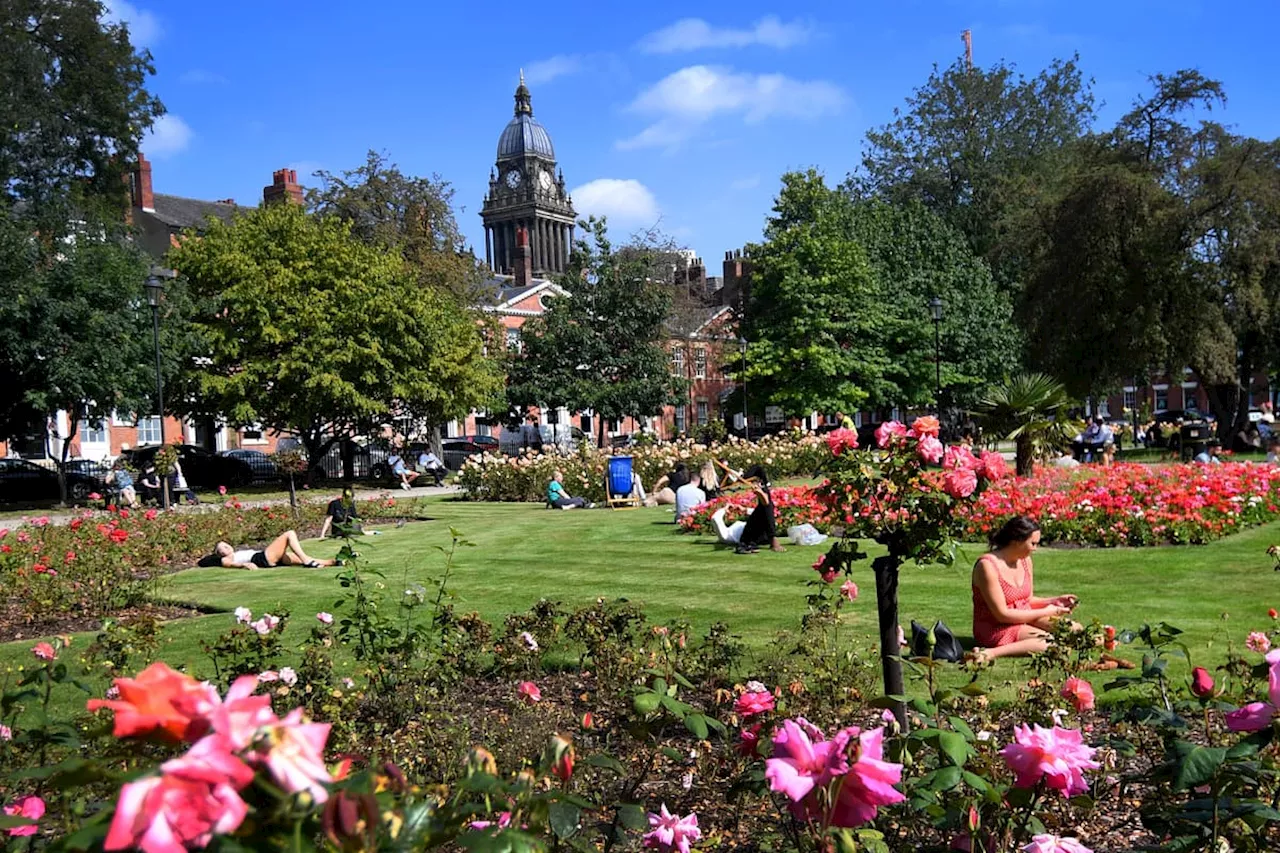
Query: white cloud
[[144, 26], [683, 100], [199, 76], [626, 202], [169, 135], [546, 70], [696, 34]]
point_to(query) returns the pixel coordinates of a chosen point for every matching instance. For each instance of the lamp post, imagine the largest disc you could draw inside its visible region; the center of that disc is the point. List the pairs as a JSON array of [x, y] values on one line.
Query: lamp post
[[742, 345], [155, 295], [935, 311]]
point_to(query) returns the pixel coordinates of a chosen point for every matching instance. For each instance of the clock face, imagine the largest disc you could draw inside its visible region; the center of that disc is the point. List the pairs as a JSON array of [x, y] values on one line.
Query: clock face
[[513, 178], [544, 178]]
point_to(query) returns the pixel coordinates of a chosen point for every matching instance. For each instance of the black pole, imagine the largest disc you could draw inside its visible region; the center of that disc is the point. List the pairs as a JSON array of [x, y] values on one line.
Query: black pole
[[164, 477], [886, 570], [746, 433], [937, 365]]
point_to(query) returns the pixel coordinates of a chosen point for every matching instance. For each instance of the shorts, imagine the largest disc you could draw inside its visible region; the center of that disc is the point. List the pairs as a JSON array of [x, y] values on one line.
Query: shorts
[[259, 559]]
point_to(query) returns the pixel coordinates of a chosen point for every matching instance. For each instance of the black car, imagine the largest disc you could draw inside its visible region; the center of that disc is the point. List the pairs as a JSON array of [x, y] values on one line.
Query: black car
[[24, 481], [202, 469], [263, 466]]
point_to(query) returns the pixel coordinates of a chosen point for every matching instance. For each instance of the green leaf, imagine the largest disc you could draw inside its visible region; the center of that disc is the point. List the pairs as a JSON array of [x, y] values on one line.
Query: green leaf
[[633, 816], [962, 727], [1199, 766], [954, 746], [646, 702], [607, 762], [944, 778], [697, 725], [564, 818]]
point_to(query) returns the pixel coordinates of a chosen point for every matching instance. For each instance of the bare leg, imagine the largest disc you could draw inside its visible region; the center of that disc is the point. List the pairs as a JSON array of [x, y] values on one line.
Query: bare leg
[[286, 550], [1031, 640]]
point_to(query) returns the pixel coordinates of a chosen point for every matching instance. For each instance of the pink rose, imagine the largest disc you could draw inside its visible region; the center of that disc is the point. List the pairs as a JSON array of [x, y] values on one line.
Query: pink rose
[[869, 783], [1053, 844], [1079, 692], [1056, 755], [1201, 683], [295, 755], [670, 832], [841, 440], [325, 618], [889, 433], [930, 449], [1258, 642], [194, 798], [992, 465], [749, 741], [44, 651], [529, 692], [31, 808], [1258, 715], [959, 457], [753, 704], [849, 590], [803, 760], [960, 482]]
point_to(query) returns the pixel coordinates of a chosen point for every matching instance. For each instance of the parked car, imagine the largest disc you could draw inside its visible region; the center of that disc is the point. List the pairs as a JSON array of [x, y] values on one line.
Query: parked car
[[488, 442], [202, 469], [24, 481], [263, 467], [456, 451]]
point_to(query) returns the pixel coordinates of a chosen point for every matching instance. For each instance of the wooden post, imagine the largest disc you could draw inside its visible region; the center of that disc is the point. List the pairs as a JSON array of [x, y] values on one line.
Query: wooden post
[[886, 569]]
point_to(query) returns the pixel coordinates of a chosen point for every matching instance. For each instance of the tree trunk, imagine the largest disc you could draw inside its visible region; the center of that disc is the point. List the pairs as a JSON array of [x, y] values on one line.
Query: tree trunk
[[886, 569], [1025, 458], [348, 461], [66, 451]]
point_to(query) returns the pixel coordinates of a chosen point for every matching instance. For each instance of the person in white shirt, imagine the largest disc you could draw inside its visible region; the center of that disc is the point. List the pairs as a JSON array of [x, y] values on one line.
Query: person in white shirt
[[431, 464], [689, 496]]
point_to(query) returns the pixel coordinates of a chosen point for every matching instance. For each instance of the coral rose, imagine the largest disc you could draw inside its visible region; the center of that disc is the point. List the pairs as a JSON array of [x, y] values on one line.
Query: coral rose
[[160, 702], [992, 465], [925, 425], [1079, 692]]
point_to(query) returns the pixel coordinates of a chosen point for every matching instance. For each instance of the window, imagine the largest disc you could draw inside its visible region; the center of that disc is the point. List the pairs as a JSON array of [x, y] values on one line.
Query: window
[[118, 419], [1130, 401], [149, 430], [677, 361], [252, 434], [514, 341], [703, 412], [94, 432], [1104, 408], [1162, 398], [700, 362], [681, 424]]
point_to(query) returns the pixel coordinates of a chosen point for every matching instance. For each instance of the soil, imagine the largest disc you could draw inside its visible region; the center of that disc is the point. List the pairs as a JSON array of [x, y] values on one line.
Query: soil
[[15, 626]]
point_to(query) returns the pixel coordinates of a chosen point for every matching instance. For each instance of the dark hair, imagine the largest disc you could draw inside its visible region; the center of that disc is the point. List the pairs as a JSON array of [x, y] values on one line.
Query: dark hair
[[1017, 529], [681, 468]]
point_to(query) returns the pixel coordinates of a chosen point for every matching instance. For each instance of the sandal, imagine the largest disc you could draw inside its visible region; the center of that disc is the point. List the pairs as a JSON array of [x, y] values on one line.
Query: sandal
[[311, 564]]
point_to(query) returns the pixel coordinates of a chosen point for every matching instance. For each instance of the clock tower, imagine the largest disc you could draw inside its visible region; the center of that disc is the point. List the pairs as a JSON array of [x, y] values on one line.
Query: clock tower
[[527, 191]]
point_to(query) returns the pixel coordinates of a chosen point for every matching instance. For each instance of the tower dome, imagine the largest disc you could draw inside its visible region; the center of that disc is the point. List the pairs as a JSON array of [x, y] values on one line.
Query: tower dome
[[523, 134]]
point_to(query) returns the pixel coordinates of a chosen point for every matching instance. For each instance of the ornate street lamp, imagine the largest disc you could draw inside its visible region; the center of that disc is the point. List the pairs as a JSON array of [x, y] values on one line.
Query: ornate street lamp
[[935, 311], [155, 295]]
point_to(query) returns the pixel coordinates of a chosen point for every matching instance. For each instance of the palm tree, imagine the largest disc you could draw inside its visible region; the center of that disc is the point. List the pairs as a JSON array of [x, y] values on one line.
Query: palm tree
[[1030, 410]]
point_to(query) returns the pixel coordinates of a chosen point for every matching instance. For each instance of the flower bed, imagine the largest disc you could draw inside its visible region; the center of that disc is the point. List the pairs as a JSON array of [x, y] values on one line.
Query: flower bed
[[1134, 505], [102, 562], [495, 477]]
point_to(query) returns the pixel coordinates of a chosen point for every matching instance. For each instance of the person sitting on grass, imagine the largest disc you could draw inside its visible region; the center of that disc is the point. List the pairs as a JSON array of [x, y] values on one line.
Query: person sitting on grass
[[284, 550], [342, 511], [664, 491], [689, 496], [1008, 619], [758, 529], [559, 498]]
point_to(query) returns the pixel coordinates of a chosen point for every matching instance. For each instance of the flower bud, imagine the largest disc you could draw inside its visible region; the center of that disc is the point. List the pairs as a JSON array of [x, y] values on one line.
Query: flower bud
[[350, 821], [481, 760], [560, 757], [1201, 683]]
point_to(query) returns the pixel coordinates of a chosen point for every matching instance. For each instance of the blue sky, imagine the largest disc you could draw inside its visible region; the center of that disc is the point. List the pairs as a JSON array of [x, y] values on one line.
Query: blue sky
[[679, 114]]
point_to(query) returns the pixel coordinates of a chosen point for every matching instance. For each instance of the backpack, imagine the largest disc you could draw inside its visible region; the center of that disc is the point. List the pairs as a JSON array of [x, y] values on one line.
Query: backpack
[[946, 646]]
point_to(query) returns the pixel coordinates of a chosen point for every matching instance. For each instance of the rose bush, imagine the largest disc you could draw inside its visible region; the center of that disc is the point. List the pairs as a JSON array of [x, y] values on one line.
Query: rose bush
[[495, 477]]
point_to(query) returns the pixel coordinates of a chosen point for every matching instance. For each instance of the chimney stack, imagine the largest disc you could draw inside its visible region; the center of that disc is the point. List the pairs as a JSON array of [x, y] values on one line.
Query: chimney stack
[[140, 193], [284, 187], [523, 259]]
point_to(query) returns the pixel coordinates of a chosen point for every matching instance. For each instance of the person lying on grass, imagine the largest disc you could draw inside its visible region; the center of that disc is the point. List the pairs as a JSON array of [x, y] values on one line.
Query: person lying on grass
[[284, 550]]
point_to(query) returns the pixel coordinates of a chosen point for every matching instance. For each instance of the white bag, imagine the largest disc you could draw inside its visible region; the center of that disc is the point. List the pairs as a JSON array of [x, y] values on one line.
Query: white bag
[[805, 534]]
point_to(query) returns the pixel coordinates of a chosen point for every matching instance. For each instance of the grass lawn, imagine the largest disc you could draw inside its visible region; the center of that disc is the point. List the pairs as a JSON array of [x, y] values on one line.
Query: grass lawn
[[524, 552]]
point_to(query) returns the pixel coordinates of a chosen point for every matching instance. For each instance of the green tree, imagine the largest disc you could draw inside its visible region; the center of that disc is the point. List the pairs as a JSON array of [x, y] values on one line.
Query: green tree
[[79, 333], [309, 329], [74, 106], [975, 145], [601, 346], [814, 318], [1030, 410], [409, 215]]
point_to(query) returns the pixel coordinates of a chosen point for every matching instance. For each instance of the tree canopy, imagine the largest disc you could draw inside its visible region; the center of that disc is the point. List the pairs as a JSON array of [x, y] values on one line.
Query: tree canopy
[[308, 328], [601, 346]]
